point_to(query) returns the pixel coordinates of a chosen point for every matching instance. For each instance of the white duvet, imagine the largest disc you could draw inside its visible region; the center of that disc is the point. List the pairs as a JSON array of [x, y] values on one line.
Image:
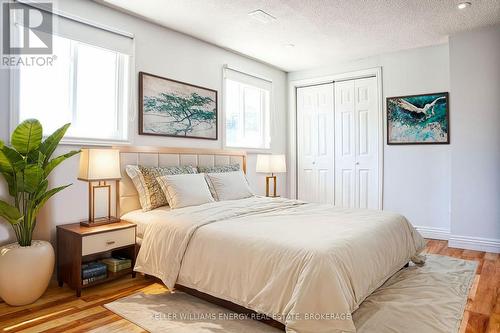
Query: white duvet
[[306, 265]]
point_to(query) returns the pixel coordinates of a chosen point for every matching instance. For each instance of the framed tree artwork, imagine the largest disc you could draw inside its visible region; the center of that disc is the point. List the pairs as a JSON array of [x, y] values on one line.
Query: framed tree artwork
[[418, 119], [178, 109]]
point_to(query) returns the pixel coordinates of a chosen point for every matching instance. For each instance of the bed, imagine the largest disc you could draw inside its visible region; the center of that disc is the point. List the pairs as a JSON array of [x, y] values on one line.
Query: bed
[[143, 219], [307, 266]]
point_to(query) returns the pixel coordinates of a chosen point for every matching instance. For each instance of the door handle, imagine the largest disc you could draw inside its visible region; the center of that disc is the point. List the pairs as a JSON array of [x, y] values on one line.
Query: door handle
[[357, 163], [314, 162]]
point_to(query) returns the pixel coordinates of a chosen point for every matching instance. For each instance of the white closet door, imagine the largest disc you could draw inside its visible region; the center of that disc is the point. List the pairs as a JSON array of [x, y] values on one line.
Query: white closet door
[[315, 149], [367, 141], [307, 102], [345, 151], [357, 134]]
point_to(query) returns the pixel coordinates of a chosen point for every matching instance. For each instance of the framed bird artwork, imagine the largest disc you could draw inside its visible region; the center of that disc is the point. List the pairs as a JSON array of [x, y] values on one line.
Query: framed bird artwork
[[418, 119]]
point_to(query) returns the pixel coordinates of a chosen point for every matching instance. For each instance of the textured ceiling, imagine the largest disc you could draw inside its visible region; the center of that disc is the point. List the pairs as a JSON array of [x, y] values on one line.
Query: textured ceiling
[[323, 31]]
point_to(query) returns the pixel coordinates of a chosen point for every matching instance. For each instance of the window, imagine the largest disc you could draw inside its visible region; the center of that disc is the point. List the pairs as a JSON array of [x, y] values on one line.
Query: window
[[87, 86], [247, 104]]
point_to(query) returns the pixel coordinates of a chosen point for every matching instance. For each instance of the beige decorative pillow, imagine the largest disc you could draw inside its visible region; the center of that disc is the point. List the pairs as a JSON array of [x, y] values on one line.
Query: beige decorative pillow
[[185, 190], [151, 195], [229, 185], [219, 168]]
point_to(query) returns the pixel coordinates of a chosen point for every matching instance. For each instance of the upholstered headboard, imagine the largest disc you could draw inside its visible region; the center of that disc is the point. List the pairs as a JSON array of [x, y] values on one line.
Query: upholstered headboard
[[127, 197]]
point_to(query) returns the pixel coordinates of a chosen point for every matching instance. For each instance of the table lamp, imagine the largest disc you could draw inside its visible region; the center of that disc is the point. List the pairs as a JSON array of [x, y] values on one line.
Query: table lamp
[[99, 166], [271, 164]]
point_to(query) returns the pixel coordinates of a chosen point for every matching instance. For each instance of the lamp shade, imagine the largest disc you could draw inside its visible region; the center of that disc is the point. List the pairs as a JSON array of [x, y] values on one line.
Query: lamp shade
[[99, 164], [271, 163]]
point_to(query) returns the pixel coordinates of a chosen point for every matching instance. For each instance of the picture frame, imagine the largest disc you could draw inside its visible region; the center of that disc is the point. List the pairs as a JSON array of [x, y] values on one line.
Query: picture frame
[[418, 119], [173, 108]]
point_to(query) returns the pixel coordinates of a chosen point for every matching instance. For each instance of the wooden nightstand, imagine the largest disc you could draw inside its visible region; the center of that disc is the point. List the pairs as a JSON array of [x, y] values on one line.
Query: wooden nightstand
[[77, 244]]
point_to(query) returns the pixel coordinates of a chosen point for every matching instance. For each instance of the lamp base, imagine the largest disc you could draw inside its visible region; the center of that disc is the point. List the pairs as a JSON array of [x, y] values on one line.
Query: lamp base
[[268, 178], [100, 221]]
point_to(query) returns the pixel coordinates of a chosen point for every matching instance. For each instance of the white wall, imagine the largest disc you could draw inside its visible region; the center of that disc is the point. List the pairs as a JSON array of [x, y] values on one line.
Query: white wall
[[416, 177], [475, 124], [162, 52]]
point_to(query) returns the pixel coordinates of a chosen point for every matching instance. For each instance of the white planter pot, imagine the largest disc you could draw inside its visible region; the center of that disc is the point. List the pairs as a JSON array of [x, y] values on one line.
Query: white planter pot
[[25, 271]]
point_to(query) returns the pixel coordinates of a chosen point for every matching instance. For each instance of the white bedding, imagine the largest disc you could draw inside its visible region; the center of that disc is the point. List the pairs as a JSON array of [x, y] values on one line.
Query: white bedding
[[142, 219], [293, 261]]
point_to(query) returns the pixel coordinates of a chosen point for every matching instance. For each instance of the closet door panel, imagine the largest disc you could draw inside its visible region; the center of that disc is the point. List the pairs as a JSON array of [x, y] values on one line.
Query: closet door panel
[[325, 149], [315, 143], [367, 140], [345, 150], [345, 187], [356, 143], [306, 142]]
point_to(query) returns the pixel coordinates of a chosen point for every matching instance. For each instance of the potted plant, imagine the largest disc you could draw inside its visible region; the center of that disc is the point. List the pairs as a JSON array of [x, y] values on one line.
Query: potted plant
[[27, 265]]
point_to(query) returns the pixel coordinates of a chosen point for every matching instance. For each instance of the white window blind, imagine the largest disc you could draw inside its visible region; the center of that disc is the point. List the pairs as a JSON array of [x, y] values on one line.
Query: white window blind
[[88, 84], [247, 110]]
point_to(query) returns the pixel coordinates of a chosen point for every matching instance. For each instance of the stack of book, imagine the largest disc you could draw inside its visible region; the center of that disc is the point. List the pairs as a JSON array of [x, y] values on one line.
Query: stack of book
[[116, 264], [93, 271]]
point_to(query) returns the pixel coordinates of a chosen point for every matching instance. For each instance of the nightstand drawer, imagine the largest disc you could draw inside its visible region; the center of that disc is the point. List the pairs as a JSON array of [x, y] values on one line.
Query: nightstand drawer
[[107, 241]]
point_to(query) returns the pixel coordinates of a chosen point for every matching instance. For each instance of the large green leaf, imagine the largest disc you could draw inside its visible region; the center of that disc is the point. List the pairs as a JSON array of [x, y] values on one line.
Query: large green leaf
[[35, 156], [10, 160], [43, 199], [27, 136], [56, 161], [9, 178], [5, 165], [50, 144], [33, 175], [19, 181], [40, 191], [10, 213], [41, 159]]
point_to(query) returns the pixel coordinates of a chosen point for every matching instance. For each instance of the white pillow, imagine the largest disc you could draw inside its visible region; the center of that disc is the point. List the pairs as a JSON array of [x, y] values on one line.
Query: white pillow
[[144, 178], [185, 190], [229, 185]]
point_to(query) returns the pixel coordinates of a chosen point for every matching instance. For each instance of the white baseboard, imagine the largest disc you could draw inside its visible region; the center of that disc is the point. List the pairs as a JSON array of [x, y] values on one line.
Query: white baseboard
[[461, 242], [434, 233], [474, 243]]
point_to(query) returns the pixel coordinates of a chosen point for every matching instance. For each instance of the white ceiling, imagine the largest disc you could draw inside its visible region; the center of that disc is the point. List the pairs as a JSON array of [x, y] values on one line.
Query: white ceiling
[[323, 31]]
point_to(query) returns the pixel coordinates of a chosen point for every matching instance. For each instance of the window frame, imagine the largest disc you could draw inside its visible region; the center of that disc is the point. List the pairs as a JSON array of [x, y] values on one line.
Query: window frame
[[124, 108], [224, 115]]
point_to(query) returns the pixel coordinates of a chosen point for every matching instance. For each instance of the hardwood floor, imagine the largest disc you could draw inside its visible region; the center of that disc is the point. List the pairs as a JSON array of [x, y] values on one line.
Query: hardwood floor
[[60, 311], [482, 313]]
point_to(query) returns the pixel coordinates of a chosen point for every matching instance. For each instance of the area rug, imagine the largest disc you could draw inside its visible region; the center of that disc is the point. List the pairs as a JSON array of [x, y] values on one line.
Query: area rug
[[428, 298]]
